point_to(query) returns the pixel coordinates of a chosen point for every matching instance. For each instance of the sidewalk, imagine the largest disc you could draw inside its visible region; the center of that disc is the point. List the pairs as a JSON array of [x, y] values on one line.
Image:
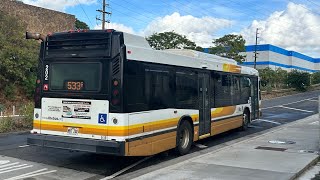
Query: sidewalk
[[260, 157]]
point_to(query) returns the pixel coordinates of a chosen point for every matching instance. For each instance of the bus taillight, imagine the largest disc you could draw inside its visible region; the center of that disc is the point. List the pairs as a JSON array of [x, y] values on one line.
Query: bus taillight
[[115, 83], [115, 92], [115, 102]]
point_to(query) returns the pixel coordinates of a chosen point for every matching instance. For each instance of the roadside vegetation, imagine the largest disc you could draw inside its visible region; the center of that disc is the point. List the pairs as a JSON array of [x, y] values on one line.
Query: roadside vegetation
[[18, 64], [281, 79], [18, 59]]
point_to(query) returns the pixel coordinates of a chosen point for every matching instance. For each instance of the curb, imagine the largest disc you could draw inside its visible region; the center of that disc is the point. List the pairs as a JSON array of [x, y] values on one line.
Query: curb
[[215, 149], [14, 133], [312, 163]]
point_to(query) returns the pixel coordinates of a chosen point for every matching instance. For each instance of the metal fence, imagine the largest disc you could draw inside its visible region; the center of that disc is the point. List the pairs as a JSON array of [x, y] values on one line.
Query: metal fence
[[12, 111]]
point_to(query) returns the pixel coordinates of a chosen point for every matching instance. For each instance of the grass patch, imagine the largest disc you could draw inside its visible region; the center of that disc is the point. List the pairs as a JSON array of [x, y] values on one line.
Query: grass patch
[[6, 124]]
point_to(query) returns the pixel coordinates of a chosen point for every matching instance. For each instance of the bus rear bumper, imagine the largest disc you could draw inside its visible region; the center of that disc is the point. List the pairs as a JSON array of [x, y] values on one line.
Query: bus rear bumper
[[77, 144]]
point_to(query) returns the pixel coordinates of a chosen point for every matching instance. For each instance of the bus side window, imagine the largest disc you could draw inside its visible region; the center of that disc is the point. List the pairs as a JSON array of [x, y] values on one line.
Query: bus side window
[[222, 90], [186, 89], [158, 92], [236, 94], [135, 87], [245, 89]]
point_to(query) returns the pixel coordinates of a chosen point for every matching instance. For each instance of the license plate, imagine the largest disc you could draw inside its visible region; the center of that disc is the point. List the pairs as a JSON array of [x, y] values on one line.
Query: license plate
[[73, 131]]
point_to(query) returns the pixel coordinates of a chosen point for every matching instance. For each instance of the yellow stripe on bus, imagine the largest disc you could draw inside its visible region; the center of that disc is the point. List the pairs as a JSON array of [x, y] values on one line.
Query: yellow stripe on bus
[[106, 130], [223, 111], [231, 68]]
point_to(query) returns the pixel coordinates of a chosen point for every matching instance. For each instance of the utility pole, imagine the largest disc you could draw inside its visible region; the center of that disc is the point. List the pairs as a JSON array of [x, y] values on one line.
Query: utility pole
[[255, 48], [104, 13]]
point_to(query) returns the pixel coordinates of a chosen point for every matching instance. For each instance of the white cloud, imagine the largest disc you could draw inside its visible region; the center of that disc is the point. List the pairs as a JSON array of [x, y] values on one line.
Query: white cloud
[[200, 30], [296, 28], [117, 26], [58, 5]]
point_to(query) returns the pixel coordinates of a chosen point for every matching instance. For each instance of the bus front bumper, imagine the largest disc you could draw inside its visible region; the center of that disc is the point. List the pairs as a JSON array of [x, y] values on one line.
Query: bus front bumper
[[77, 144]]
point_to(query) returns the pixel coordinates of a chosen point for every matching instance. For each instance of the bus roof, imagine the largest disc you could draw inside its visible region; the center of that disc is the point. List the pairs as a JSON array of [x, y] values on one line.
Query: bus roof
[[139, 49]]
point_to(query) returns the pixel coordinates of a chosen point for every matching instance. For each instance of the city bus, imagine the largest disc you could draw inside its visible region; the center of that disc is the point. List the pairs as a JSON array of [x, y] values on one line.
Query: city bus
[[109, 92]]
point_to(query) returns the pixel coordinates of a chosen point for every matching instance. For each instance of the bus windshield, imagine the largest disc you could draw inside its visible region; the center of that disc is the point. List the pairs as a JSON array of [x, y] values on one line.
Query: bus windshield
[[80, 77]]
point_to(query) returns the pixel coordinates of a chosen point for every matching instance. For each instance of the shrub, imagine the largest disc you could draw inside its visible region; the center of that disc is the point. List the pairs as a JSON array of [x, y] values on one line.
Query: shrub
[[299, 80], [10, 91], [6, 124], [267, 76], [29, 86], [315, 78], [27, 111]]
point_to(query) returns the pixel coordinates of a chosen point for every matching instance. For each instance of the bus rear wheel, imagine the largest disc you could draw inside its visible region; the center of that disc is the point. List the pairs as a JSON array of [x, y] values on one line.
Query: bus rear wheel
[[184, 138], [245, 120]]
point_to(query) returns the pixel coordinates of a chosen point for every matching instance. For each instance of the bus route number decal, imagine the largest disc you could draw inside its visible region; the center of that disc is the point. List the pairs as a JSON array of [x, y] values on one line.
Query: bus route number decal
[[74, 85]]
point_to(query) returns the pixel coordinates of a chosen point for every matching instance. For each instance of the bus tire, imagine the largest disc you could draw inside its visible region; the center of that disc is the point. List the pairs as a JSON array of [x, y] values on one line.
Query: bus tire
[[184, 138], [245, 120]]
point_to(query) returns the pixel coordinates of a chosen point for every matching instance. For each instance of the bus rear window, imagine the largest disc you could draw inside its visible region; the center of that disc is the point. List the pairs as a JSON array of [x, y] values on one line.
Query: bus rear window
[[75, 77]]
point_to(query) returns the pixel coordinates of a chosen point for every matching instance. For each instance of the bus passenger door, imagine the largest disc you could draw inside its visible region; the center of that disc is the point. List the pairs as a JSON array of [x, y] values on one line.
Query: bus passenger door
[[204, 106]]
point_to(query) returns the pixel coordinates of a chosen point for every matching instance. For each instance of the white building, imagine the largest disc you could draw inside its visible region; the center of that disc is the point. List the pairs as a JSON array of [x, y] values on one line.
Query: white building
[[276, 57]]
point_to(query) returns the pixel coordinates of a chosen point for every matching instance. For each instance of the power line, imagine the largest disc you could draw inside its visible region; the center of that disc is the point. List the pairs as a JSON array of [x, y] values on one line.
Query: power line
[[136, 12], [129, 16], [85, 13], [314, 3], [141, 8]]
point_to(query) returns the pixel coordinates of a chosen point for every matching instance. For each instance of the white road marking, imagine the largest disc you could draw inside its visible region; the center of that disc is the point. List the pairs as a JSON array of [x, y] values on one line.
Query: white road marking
[[125, 169], [315, 122], [289, 103], [313, 100], [11, 167], [269, 121], [6, 165], [22, 146], [32, 174], [4, 162], [296, 109], [201, 146], [16, 169]]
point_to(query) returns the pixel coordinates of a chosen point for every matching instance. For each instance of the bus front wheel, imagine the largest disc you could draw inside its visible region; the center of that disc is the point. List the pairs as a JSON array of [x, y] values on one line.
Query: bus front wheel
[[184, 138]]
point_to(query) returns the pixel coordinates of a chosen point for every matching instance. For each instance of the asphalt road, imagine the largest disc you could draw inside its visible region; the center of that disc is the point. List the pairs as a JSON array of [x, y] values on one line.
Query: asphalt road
[[59, 164]]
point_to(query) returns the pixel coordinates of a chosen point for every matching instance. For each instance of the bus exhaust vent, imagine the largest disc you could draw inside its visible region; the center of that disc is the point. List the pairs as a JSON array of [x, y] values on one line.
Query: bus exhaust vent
[[115, 66]]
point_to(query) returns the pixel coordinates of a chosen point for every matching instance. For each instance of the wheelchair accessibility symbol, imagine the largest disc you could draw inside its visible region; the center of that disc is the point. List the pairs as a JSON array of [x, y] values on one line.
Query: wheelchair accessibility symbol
[[102, 119]]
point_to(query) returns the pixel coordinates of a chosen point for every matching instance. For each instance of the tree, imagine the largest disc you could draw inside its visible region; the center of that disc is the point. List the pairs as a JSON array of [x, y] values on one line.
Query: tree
[[315, 78], [229, 46], [171, 40], [299, 80], [17, 55], [281, 78], [267, 77], [81, 25]]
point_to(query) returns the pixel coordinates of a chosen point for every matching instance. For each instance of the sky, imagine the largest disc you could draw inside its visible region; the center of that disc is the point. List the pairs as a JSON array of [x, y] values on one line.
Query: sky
[[290, 24]]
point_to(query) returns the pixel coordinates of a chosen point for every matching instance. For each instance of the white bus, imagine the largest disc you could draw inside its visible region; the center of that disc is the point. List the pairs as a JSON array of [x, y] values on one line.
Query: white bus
[[109, 92]]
